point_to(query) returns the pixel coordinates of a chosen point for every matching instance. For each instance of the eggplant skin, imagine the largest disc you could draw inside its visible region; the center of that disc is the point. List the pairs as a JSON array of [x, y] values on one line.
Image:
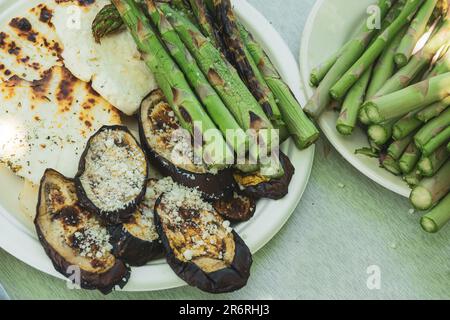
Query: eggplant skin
[[238, 208], [134, 251], [274, 189], [117, 275], [213, 186], [226, 280], [111, 218]]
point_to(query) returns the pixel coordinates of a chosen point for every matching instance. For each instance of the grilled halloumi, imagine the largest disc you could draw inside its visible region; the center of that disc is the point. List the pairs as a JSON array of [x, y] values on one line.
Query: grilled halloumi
[[29, 45], [117, 72], [46, 123]]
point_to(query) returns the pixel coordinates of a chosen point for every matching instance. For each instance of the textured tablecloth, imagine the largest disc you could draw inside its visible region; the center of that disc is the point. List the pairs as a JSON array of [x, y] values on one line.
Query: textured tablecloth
[[348, 239]]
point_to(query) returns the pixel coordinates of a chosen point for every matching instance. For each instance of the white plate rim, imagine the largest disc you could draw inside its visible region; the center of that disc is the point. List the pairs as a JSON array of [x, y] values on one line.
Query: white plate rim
[[330, 130], [16, 240]]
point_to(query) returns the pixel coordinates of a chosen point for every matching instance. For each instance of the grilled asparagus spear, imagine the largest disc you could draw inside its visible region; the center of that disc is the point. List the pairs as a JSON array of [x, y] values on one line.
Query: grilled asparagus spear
[[302, 129], [173, 83]]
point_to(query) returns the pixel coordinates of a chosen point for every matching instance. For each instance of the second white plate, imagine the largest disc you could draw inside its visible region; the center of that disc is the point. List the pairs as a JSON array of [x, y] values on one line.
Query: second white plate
[[327, 29]]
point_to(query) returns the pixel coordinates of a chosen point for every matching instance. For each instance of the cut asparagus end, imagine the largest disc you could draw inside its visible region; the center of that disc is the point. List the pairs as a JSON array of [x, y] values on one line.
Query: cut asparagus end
[[345, 129], [437, 218], [425, 167], [421, 198], [391, 165], [372, 113], [400, 60], [363, 117], [378, 134], [429, 225]]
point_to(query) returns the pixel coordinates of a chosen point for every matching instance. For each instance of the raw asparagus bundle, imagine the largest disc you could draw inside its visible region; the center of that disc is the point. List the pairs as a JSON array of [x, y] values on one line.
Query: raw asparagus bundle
[[431, 190], [410, 99], [339, 90], [437, 218], [415, 31], [172, 82], [321, 97], [418, 63]]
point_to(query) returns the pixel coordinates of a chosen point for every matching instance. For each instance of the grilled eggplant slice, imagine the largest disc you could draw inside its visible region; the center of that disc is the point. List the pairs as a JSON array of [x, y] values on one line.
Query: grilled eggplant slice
[[258, 186], [160, 135], [238, 208], [112, 175], [74, 237], [137, 241], [200, 246]]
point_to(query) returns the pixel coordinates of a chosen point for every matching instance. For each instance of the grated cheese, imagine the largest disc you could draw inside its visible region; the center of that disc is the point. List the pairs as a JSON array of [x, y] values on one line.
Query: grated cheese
[[115, 171]]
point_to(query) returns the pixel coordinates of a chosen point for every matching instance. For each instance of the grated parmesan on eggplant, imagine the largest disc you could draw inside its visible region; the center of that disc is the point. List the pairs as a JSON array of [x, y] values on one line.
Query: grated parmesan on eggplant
[[194, 229], [115, 171]]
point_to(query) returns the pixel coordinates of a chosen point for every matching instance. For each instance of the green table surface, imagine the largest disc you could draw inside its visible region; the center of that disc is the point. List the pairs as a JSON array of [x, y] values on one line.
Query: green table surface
[[344, 225]]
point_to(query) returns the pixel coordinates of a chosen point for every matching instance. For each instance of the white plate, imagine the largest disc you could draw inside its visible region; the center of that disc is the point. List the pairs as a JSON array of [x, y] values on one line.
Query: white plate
[[328, 27], [18, 237]]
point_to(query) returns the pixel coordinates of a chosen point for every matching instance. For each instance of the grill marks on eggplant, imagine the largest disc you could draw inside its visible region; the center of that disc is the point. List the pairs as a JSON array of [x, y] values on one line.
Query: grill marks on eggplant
[[73, 237], [258, 186], [112, 174], [170, 149], [238, 208], [137, 241], [200, 246]]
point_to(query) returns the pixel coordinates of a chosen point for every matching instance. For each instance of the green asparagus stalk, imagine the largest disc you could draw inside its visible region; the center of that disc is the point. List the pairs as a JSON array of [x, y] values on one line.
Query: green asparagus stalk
[[172, 82], [418, 62], [240, 58], [319, 72], [413, 178], [302, 129], [363, 117], [206, 93], [431, 190], [428, 166], [441, 66], [106, 22], [448, 146], [368, 152], [321, 98], [221, 75], [339, 90], [183, 7], [438, 141], [405, 126], [398, 147], [350, 109], [437, 218], [410, 158], [415, 31], [381, 133], [391, 165], [385, 67], [433, 111], [432, 129], [205, 22], [407, 100]]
